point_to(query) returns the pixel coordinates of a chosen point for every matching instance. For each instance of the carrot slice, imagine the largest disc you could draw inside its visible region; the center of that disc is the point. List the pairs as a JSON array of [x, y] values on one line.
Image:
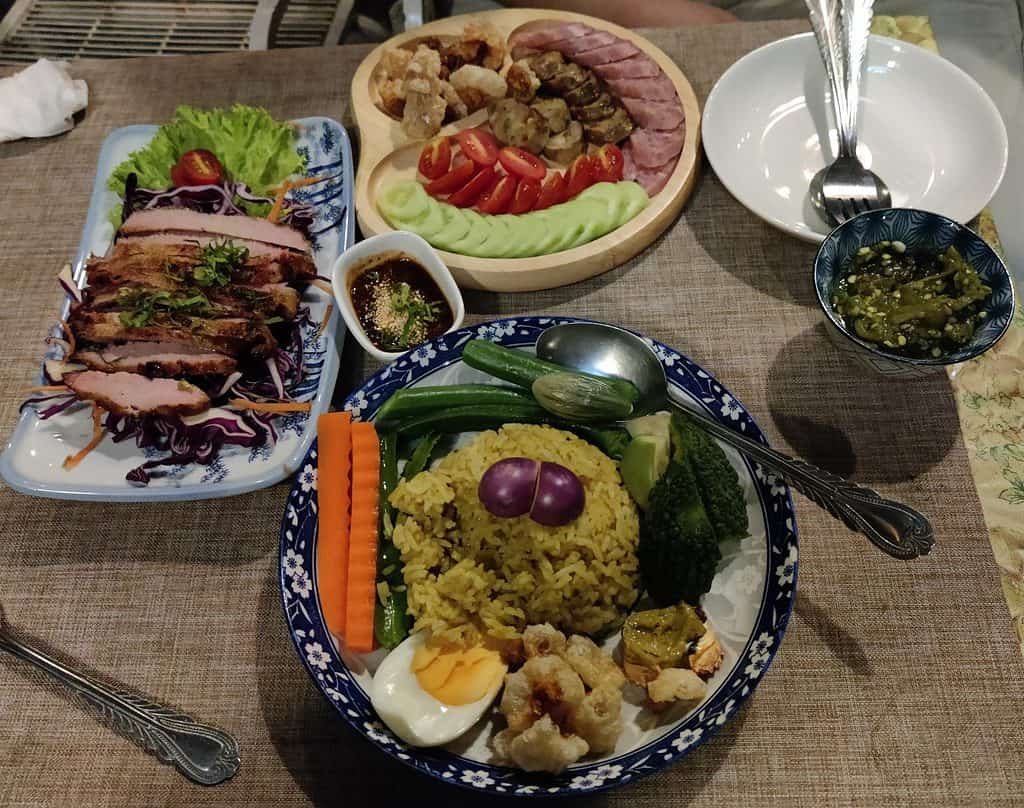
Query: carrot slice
[[362, 553], [97, 435], [270, 406], [334, 456], [283, 189]]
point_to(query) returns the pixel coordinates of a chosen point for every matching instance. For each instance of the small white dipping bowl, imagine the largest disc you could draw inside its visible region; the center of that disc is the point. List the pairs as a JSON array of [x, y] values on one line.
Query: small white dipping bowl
[[397, 241]]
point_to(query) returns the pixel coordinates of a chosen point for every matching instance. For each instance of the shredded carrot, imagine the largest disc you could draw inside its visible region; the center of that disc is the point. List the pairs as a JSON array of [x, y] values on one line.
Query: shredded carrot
[[71, 338], [270, 406], [362, 553], [334, 457], [323, 286], [325, 320], [47, 388], [282, 191], [97, 435]]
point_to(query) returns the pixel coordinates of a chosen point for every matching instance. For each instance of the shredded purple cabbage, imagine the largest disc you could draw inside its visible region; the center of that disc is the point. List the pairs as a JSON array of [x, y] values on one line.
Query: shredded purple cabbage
[[224, 199]]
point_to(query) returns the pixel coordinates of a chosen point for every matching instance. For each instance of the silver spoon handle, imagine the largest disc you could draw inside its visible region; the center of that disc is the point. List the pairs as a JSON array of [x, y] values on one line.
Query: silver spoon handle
[[893, 527], [826, 20], [856, 28], [203, 754]]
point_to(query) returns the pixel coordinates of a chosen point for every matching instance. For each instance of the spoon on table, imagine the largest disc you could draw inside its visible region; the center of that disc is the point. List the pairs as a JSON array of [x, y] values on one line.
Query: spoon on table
[[203, 754], [606, 350], [845, 188]]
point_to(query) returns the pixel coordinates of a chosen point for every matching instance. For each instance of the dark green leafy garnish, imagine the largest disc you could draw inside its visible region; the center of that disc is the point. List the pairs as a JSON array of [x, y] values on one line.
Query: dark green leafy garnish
[[142, 305], [217, 261], [417, 312]]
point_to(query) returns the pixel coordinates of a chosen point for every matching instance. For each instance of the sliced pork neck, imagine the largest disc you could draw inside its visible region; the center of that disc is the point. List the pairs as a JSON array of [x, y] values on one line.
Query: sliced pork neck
[[182, 222], [133, 394], [161, 359]]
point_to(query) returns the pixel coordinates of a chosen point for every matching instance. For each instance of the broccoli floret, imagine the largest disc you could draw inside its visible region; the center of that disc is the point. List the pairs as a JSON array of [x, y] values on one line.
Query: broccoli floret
[[717, 480], [678, 550]]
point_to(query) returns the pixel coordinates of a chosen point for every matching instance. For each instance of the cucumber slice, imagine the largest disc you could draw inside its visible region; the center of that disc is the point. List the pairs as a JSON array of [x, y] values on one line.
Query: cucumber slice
[[499, 234], [403, 202], [429, 224], [635, 199], [528, 231], [512, 246], [595, 218], [565, 227], [456, 226], [471, 243]]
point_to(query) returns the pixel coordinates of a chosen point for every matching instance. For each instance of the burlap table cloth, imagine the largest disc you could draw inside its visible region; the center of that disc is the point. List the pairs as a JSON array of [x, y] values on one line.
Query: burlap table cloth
[[897, 683]]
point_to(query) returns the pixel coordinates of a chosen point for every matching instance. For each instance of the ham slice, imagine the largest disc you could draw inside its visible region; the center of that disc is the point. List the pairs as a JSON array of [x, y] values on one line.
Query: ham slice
[[652, 179], [654, 114], [185, 223], [598, 39], [541, 33], [655, 88], [132, 394], [156, 359], [621, 49], [638, 66], [652, 147]]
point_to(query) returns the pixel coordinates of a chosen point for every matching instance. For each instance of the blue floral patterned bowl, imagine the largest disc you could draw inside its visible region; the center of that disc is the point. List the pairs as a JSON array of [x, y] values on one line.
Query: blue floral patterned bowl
[[919, 230], [748, 605]]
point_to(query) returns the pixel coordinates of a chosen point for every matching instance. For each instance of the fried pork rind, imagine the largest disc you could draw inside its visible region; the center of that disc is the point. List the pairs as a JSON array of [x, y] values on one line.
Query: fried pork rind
[[392, 97], [394, 62], [545, 685], [593, 665], [540, 748], [478, 86], [522, 81], [543, 639], [456, 107], [675, 684], [598, 719], [494, 49], [424, 104]]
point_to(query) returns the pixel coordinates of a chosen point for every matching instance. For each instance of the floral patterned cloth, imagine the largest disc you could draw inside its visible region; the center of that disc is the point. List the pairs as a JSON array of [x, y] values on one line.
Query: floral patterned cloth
[[990, 401]]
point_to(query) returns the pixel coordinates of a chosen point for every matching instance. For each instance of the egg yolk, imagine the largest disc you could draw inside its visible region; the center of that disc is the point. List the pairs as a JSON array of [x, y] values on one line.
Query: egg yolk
[[457, 676]]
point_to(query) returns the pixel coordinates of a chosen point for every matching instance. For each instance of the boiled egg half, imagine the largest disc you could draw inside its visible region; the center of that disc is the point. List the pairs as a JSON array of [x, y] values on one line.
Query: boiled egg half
[[430, 694]]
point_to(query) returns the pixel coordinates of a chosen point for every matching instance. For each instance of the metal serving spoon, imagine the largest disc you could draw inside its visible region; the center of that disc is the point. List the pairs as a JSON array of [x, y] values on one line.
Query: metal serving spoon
[[203, 754], [846, 187], [606, 350]]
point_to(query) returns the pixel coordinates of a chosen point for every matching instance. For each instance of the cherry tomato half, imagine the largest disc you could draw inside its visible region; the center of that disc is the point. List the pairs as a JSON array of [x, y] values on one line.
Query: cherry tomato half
[[436, 158], [178, 177], [200, 167], [497, 199], [552, 192], [580, 175], [609, 163], [453, 180], [470, 192], [521, 163], [478, 145], [527, 193]]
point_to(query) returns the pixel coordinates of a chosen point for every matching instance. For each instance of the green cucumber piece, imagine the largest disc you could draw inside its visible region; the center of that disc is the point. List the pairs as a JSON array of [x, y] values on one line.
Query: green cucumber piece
[[498, 236], [476, 235], [456, 227], [403, 202], [418, 400], [430, 223], [595, 220]]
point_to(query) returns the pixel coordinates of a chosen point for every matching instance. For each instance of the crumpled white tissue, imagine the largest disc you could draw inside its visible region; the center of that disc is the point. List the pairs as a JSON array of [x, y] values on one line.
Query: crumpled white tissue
[[40, 100]]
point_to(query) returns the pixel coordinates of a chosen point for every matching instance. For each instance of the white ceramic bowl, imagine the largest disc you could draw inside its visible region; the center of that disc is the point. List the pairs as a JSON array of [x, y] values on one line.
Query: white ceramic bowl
[[397, 241], [926, 128]]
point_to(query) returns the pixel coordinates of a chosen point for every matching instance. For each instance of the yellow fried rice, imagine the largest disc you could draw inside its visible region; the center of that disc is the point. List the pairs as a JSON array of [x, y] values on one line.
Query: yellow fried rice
[[469, 572]]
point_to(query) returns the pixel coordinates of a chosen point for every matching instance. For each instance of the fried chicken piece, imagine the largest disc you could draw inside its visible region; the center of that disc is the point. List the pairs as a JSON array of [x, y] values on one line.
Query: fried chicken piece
[[478, 86], [456, 107], [707, 656], [598, 719], [394, 62], [460, 52], [485, 34], [545, 685], [543, 639], [424, 104], [392, 97], [540, 748], [522, 81], [675, 684], [593, 665]]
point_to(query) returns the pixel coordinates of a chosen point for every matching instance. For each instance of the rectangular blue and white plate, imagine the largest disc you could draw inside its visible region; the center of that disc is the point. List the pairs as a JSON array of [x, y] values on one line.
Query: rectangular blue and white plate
[[32, 461]]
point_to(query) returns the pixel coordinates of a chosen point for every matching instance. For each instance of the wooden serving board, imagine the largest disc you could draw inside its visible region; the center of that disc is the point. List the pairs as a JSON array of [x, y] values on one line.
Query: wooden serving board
[[386, 154]]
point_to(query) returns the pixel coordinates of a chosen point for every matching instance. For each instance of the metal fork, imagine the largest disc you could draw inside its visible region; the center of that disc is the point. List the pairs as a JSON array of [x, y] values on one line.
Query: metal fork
[[841, 31]]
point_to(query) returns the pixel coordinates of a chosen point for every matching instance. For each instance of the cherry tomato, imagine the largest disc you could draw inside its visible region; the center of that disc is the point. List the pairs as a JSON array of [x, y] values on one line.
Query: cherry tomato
[[497, 199], [527, 193], [552, 192], [470, 192], [436, 158], [521, 163], [453, 180], [178, 177], [580, 175], [200, 167], [478, 145], [609, 163]]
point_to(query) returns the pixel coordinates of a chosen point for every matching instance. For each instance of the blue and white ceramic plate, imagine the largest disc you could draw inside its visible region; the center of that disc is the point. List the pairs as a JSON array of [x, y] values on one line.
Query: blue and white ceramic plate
[[748, 605], [32, 461]]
